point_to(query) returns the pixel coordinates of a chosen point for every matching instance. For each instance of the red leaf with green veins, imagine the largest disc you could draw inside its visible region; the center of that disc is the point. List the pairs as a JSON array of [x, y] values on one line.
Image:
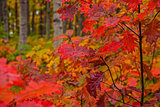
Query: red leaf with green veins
[[128, 42], [94, 82]]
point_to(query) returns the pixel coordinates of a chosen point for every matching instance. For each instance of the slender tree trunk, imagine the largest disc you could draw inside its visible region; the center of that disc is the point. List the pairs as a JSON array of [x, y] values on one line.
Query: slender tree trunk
[[5, 17], [57, 22], [28, 16], [44, 21], [33, 17], [16, 16], [48, 21], [65, 22], [23, 23], [1, 11], [41, 21]]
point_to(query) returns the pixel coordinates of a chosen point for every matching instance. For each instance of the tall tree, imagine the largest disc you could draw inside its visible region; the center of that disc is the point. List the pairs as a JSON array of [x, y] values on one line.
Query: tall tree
[[33, 16], [5, 17], [1, 11], [48, 21], [28, 21], [16, 16], [23, 23], [57, 22]]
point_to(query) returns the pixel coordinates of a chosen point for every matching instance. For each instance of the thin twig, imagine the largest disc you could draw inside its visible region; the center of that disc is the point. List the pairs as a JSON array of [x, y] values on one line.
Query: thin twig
[[118, 100], [130, 29], [156, 15]]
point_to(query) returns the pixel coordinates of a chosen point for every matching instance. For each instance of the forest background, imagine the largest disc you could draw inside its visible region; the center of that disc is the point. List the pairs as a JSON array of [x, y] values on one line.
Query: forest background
[[76, 53]]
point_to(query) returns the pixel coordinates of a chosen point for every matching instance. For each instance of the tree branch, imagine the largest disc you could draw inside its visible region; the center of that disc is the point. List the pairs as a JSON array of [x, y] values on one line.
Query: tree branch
[[115, 84], [141, 59], [130, 29], [156, 15]]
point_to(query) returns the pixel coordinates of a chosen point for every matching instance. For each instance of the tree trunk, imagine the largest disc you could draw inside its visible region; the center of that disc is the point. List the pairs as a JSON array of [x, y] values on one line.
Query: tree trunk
[[44, 12], [57, 22], [41, 20], [28, 15], [16, 16], [48, 21], [33, 17], [5, 18], [1, 12], [23, 23]]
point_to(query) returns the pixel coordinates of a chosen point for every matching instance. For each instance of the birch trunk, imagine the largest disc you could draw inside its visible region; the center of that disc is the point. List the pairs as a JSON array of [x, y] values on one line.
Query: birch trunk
[[57, 22], [23, 23]]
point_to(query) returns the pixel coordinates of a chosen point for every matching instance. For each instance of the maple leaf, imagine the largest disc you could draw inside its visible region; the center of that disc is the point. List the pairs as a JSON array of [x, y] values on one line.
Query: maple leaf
[[8, 75], [68, 12], [36, 89], [6, 95], [59, 37], [29, 104], [133, 4], [100, 31], [152, 32], [128, 41], [94, 82], [131, 81], [100, 102], [111, 21], [68, 50], [97, 11], [89, 25], [35, 103], [110, 47]]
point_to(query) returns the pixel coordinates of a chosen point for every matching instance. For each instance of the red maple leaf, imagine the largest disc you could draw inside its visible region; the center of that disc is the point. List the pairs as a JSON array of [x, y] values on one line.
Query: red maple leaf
[[36, 89], [133, 4], [128, 41], [97, 11], [68, 12], [72, 51], [8, 75], [153, 31], [111, 21], [89, 25], [110, 47]]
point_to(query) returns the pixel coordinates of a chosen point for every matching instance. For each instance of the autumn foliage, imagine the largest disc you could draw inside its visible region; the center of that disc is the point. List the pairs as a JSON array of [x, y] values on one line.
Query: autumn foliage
[[116, 63]]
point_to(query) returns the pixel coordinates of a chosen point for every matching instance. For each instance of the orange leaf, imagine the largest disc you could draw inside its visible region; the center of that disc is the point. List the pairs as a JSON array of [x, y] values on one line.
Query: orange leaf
[[59, 37], [6, 95]]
